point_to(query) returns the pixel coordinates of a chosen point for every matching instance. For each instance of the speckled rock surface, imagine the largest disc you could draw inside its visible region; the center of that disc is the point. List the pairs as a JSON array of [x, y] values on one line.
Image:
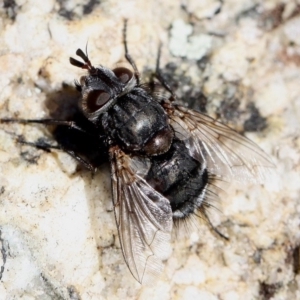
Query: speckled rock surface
[[238, 60]]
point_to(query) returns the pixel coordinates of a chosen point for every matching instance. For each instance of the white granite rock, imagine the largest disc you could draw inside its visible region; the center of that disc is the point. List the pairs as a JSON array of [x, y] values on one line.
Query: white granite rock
[[58, 234]]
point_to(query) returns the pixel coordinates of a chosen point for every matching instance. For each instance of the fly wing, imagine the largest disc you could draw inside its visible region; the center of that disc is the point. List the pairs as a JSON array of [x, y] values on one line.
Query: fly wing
[[143, 217], [228, 154]]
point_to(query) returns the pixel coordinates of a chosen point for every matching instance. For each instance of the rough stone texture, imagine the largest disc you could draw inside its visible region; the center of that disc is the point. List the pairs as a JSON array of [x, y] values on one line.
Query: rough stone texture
[[58, 235]]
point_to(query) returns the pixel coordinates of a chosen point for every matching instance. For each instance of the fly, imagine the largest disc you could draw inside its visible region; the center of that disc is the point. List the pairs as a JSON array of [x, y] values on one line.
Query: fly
[[164, 157]]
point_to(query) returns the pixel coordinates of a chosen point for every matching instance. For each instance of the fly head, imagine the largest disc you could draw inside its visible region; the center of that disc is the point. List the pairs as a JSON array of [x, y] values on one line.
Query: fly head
[[101, 87]]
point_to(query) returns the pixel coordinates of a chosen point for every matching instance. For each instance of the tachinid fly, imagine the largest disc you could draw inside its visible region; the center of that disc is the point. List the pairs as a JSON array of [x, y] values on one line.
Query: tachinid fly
[[164, 157]]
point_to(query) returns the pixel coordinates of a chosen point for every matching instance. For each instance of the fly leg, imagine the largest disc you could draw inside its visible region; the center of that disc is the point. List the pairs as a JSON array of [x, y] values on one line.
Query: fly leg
[[159, 76], [212, 227], [70, 124], [128, 56], [42, 145]]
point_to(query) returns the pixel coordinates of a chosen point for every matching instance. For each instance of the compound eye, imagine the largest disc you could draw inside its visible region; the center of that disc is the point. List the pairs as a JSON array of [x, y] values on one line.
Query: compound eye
[[96, 99], [123, 74]]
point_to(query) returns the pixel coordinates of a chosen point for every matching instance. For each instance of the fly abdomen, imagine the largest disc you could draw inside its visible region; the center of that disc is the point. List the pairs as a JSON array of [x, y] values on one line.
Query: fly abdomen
[[180, 178]]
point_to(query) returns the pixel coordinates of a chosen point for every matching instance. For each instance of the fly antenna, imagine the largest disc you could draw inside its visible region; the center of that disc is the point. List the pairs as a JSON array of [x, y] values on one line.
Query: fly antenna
[[86, 64]]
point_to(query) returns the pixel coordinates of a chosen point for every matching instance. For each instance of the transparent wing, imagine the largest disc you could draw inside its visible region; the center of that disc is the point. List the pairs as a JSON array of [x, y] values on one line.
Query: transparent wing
[[143, 217], [228, 154]]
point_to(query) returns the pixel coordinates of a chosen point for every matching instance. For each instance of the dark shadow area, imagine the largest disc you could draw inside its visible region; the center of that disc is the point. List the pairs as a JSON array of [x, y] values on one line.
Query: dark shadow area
[[256, 121], [183, 87], [11, 9], [86, 8], [88, 143]]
